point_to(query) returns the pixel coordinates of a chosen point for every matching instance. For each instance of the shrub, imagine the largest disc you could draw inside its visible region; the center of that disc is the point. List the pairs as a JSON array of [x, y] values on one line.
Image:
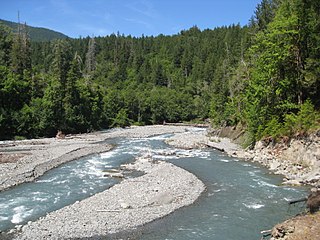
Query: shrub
[[18, 138], [305, 120], [273, 128], [121, 120]]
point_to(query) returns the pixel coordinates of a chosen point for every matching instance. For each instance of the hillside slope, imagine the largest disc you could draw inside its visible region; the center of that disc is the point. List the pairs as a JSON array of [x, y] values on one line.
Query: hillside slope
[[37, 34]]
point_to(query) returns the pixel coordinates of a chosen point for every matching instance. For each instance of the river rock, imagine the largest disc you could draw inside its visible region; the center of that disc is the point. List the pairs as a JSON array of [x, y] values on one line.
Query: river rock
[[124, 205], [162, 198], [274, 165]]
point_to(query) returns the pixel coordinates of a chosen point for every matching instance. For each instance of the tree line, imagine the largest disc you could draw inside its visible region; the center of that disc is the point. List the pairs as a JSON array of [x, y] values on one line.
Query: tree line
[[263, 76]]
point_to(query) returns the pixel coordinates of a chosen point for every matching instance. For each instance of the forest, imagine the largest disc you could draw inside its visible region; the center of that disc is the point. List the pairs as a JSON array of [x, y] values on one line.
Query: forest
[[264, 77]]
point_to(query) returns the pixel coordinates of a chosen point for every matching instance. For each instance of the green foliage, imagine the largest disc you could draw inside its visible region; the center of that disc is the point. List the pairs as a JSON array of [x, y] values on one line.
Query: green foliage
[[265, 13], [29, 119], [5, 45], [305, 120], [259, 75], [280, 83], [121, 119], [21, 52], [53, 113], [273, 128], [18, 138]]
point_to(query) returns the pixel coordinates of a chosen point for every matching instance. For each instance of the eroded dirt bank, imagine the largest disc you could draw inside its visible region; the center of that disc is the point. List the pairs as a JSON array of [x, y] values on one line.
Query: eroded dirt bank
[[301, 227], [298, 159]]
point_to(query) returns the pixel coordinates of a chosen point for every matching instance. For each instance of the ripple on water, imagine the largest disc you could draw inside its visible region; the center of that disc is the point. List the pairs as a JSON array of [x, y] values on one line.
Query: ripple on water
[[2, 218], [39, 199], [20, 213], [266, 184], [253, 205], [225, 160], [109, 154], [47, 180], [160, 137], [163, 157]]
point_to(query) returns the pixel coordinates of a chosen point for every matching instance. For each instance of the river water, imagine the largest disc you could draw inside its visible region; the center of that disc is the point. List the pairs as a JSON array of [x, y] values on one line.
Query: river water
[[241, 198]]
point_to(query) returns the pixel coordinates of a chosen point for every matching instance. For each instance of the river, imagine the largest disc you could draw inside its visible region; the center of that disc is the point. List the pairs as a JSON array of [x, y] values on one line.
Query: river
[[241, 198]]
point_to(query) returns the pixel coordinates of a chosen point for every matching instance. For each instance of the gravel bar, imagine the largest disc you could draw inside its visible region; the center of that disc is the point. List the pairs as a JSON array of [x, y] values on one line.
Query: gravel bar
[[125, 206]]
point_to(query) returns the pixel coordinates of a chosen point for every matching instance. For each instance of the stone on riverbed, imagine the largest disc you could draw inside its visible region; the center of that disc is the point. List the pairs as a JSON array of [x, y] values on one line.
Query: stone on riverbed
[[114, 173]]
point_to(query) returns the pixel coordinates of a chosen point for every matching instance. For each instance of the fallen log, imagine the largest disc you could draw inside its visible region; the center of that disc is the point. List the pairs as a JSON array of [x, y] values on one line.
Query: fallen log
[[266, 233], [299, 200], [313, 201]]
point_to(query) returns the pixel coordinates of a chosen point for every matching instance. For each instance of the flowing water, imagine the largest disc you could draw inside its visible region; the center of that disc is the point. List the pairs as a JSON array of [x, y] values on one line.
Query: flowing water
[[241, 198]]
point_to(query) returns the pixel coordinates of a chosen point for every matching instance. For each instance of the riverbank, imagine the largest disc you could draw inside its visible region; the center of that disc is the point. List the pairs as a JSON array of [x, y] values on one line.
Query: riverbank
[[201, 139], [297, 159]]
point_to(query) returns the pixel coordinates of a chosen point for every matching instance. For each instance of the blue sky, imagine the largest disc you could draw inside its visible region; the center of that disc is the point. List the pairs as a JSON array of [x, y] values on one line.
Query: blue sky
[[130, 17]]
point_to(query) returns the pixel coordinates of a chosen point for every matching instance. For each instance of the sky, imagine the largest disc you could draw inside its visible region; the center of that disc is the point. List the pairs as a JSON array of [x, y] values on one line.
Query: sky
[[83, 18]]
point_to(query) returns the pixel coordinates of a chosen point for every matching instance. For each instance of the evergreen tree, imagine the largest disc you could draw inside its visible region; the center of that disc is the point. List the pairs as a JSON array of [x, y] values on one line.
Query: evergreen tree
[[57, 92], [21, 52], [61, 62], [265, 13], [5, 45], [71, 99]]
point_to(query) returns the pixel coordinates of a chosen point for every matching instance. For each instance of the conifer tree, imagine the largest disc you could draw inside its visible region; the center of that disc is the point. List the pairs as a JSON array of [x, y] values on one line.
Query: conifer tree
[[265, 13], [21, 51], [5, 45], [61, 61]]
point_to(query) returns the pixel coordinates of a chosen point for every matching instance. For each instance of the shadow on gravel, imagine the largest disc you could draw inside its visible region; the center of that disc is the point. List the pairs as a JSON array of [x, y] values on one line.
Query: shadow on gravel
[[122, 236]]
